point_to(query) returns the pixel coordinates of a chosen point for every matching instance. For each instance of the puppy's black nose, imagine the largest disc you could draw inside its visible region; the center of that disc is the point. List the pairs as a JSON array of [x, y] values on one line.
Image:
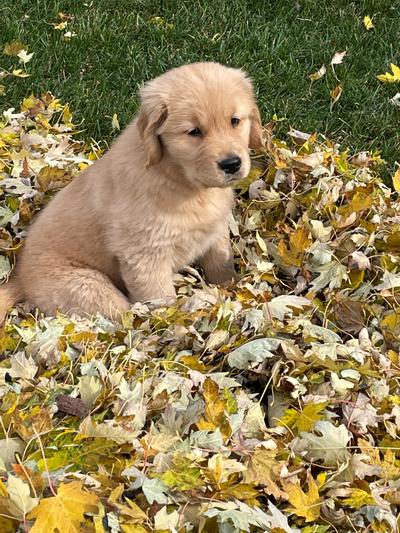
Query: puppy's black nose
[[230, 164]]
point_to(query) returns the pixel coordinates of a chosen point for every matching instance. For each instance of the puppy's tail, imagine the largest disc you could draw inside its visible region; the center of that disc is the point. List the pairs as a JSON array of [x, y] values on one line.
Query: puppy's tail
[[10, 294]]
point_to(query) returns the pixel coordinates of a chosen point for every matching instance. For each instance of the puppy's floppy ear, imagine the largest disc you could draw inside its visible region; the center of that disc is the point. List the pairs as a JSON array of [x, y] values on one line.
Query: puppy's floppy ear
[[256, 140], [152, 115]]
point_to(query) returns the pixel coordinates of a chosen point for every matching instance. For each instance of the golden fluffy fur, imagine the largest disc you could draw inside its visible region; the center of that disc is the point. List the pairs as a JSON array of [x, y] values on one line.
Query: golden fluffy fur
[[157, 201]]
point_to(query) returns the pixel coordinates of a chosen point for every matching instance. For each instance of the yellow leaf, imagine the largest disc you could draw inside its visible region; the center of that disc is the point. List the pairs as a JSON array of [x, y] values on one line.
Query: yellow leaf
[[390, 326], [3, 490], [7, 526], [321, 479], [368, 22], [336, 93], [13, 48], [305, 504], [31, 103], [116, 493], [359, 498], [214, 413], [263, 468], [240, 491], [98, 519], [396, 180], [60, 26], [66, 508], [19, 73], [193, 362], [115, 123], [51, 178], [390, 78], [348, 213], [30, 422], [24, 57], [390, 470], [299, 241], [67, 115], [133, 511], [356, 277], [314, 76], [303, 420], [161, 23]]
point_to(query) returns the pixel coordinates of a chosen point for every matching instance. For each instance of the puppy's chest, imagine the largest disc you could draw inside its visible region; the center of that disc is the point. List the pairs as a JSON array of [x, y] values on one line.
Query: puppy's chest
[[190, 234]]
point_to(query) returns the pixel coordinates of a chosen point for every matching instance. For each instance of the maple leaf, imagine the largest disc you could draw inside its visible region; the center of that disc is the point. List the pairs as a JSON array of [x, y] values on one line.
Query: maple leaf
[[166, 521], [13, 48], [390, 78], [214, 414], [358, 498], [332, 274], [390, 280], [182, 474], [361, 414], [280, 306], [303, 420], [263, 468], [24, 57], [387, 464], [66, 508], [367, 20], [255, 351], [330, 447], [20, 502], [299, 241], [305, 504]]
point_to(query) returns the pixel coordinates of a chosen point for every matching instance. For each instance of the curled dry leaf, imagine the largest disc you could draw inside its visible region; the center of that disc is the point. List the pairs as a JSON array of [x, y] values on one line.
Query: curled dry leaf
[[314, 76], [336, 93]]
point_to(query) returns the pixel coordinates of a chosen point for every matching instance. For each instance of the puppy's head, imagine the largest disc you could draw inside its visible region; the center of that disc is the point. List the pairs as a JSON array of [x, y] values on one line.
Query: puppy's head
[[202, 119]]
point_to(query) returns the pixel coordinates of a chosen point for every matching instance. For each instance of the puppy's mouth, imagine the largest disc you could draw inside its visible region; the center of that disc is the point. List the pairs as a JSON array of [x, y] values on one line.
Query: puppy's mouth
[[231, 179]]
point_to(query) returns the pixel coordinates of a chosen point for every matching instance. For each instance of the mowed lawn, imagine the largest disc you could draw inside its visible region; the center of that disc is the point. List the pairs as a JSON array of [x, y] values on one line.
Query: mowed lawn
[[119, 43]]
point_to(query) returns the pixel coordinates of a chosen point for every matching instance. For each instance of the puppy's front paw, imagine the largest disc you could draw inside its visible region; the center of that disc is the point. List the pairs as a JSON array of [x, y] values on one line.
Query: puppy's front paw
[[167, 301]]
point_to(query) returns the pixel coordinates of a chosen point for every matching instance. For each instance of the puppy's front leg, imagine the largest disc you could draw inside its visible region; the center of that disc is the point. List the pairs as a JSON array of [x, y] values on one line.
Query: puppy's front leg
[[217, 262], [149, 282]]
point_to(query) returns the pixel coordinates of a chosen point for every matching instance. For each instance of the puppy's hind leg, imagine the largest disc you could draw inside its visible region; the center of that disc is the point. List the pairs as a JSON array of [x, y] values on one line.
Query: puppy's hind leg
[[84, 291]]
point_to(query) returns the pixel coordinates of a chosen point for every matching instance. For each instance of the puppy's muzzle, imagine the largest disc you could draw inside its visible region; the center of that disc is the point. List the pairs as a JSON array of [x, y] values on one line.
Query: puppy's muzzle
[[230, 164]]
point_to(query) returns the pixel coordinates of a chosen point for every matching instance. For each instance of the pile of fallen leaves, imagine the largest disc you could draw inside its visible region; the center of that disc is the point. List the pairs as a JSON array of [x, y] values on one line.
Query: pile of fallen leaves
[[272, 405]]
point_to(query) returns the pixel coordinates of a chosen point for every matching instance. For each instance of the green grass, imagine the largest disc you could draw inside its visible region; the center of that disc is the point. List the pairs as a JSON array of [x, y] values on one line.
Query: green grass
[[279, 42]]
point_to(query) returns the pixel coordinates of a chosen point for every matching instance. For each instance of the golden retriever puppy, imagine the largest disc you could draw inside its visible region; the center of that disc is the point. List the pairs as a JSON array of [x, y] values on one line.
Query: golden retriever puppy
[[158, 200]]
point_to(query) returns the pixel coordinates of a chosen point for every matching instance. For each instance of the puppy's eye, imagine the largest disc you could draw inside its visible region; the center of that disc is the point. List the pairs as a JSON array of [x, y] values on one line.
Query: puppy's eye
[[235, 121], [194, 132]]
